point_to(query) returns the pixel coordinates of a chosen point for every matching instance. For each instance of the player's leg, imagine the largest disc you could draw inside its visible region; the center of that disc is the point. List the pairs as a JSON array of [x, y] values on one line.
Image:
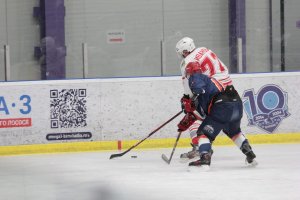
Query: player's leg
[[194, 143], [194, 153], [243, 144], [233, 131], [207, 132]]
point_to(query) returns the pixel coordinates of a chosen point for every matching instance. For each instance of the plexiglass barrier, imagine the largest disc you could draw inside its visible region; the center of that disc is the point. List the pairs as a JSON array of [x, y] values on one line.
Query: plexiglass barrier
[[59, 39]]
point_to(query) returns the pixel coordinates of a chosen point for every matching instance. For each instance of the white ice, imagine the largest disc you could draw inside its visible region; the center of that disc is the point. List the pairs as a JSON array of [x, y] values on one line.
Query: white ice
[[91, 176]]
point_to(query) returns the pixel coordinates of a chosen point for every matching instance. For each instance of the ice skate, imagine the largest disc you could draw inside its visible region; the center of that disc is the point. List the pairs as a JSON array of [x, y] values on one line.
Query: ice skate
[[250, 156], [250, 159], [203, 163], [193, 154]]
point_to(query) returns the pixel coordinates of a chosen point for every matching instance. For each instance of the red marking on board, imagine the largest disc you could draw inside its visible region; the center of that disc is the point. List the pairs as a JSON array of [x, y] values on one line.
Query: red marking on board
[[119, 145]]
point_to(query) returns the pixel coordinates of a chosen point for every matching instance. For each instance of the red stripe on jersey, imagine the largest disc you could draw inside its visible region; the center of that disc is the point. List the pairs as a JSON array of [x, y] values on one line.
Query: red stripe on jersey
[[223, 79], [218, 84], [222, 68], [226, 81]]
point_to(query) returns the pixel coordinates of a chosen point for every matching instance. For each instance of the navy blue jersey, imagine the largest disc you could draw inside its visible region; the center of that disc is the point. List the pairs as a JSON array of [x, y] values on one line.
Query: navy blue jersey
[[203, 86]]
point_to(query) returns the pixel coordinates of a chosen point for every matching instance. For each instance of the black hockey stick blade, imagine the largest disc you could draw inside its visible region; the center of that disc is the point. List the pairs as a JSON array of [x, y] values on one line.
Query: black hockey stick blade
[[164, 157], [118, 154]]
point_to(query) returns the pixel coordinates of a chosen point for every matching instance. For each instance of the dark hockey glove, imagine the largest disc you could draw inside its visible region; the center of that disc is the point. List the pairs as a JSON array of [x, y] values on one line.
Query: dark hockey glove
[[186, 122], [187, 104]]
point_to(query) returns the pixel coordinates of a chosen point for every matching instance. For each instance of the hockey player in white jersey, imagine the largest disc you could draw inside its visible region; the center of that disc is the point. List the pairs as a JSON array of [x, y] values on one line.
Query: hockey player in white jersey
[[206, 61]]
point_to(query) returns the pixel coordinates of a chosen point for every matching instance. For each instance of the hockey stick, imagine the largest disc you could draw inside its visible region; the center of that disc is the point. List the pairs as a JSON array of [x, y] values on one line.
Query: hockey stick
[[123, 153], [164, 157]]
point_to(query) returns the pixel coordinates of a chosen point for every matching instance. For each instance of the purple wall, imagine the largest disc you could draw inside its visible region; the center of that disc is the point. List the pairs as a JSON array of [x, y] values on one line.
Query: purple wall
[[237, 29], [51, 15]]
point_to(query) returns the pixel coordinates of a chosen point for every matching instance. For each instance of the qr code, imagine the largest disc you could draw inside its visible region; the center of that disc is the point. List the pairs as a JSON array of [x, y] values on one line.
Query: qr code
[[68, 108]]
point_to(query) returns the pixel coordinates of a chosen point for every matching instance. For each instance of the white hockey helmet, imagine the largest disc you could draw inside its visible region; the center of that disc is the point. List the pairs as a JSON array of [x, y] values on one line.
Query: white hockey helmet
[[186, 44]]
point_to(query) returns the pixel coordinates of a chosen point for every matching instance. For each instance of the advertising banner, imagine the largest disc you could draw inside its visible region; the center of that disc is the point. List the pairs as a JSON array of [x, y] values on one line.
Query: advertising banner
[[41, 112]]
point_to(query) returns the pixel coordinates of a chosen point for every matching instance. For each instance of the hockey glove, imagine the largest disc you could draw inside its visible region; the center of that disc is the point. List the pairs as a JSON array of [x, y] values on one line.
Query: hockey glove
[[187, 104], [186, 122]]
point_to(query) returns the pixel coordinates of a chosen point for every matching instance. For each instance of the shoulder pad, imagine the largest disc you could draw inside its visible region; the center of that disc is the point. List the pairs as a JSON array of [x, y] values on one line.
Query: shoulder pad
[[192, 68]]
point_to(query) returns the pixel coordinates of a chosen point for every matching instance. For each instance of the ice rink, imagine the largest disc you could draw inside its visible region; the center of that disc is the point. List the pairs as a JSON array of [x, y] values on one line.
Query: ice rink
[[91, 176]]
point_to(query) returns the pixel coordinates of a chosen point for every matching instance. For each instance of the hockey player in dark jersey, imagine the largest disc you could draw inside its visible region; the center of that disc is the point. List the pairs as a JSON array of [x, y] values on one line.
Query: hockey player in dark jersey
[[224, 111]]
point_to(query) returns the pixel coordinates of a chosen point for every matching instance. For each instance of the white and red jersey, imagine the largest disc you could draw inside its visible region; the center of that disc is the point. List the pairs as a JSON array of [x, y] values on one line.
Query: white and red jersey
[[209, 64]]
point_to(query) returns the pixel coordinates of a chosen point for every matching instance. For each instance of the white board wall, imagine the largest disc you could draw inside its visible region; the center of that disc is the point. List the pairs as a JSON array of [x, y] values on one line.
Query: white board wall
[[121, 109]]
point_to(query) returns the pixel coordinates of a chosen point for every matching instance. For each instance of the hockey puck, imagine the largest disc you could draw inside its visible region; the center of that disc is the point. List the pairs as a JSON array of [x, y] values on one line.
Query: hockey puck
[[133, 156]]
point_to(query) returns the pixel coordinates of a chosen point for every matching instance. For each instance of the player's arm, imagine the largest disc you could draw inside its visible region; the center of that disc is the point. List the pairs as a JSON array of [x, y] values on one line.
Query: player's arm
[[197, 83]]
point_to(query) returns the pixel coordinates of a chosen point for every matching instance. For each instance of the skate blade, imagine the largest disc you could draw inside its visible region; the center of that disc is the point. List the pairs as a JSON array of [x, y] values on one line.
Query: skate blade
[[202, 168], [253, 164], [183, 160]]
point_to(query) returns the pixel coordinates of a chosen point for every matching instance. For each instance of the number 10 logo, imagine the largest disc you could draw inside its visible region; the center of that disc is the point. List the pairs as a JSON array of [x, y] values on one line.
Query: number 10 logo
[[267, 108]]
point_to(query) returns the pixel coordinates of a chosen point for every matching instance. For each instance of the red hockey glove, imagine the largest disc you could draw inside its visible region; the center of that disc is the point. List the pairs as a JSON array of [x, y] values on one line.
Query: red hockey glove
[[186, 122], [187, 104]]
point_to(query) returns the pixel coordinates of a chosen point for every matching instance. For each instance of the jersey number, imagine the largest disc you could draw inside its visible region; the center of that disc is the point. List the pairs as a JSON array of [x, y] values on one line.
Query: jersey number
[[208, 63]]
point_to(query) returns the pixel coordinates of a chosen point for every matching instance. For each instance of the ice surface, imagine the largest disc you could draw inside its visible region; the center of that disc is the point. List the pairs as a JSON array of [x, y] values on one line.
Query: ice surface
[[91, 176]]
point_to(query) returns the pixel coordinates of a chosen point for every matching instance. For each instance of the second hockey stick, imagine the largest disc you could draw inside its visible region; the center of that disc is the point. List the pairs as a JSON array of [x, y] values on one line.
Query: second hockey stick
[[164, 157], [123, 153]]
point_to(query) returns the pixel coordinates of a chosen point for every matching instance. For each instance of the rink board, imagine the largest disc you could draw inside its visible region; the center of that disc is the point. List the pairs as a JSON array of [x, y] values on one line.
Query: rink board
[[94, 114], [120, 146]]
